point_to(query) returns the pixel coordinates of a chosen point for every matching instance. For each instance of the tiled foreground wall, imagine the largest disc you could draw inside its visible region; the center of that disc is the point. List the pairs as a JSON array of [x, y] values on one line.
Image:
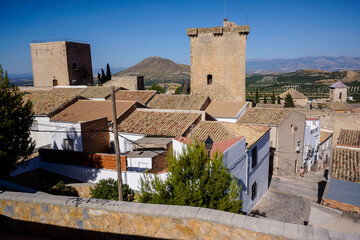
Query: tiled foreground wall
[[69, 217]]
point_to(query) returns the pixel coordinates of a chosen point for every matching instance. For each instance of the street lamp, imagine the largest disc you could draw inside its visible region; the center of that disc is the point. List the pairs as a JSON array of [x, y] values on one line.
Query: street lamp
[[208, 144]]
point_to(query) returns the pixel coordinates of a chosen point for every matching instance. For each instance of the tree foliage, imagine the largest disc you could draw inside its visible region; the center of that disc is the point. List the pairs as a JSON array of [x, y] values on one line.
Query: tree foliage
[[99, 79], [61, 189], [108, 189], [157, 88], [16, 118], [288, 101], [278, 100], [103, 77], [177, 90], [257, 99], [273, 98], [265, 98], [193, 180], [108, 72]]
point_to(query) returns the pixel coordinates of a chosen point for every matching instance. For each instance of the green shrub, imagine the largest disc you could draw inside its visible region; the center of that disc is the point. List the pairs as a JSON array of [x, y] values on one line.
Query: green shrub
[[61, 189], [108, 189]]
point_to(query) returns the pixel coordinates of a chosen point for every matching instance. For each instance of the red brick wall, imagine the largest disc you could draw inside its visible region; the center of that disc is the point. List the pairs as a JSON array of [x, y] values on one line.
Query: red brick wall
[[341, 206], [97, 160]]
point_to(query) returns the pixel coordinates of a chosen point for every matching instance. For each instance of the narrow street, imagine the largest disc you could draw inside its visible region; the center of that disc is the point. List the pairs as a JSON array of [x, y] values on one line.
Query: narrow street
[[289, 198]]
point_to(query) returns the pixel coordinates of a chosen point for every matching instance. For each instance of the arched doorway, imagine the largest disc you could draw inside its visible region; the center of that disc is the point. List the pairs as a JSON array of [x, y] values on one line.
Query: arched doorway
[[55, 82]]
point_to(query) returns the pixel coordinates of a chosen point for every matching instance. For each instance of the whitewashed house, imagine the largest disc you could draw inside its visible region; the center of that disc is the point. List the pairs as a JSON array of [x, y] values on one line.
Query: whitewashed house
[[311, 143], [245, 151]]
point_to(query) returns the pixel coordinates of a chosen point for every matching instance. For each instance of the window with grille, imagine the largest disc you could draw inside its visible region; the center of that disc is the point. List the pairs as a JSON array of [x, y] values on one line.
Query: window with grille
[[253, 191]]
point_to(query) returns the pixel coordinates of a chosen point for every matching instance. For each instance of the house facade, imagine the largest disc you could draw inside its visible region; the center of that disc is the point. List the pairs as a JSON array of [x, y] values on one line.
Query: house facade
[[311, 143], [225, 111]]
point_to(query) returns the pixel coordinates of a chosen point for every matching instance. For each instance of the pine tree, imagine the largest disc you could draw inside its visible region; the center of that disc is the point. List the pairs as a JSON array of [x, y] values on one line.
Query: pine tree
[[16, 118], [278, 100], [265, 99], [257, 99], [103, 77], [193, 180], [273, 98], [288, 102], [108, 72], [99, 79]]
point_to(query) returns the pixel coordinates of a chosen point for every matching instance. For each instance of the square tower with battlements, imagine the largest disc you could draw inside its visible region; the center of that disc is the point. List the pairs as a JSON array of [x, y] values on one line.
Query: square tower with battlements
[[218, 61], [61, 63]]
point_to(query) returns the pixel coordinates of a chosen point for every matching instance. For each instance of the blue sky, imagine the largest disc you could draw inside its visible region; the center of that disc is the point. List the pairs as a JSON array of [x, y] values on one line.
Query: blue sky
[[125, 32]]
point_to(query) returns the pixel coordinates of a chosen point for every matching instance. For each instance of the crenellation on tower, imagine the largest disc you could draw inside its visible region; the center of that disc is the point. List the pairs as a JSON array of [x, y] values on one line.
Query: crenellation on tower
[[218, 61]]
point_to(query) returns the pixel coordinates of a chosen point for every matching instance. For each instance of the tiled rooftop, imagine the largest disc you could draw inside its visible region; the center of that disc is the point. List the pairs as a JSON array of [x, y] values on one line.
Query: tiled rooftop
[[152, 122], [44, 102], [141, 96], [338, 84], [224, 109], [219, 131], [337, 106], [346, 165], [177, 101], [349, 138], [86, 110], [324, 135], [270, 116], [96, 92], [294, 94]]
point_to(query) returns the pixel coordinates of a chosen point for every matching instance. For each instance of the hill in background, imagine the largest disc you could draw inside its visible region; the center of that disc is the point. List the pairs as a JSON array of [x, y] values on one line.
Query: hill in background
[[158, 70]]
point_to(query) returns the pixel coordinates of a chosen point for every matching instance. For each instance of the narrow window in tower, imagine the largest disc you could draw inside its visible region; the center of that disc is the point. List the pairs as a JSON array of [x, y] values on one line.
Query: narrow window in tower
[[340, 96], [209, 79]]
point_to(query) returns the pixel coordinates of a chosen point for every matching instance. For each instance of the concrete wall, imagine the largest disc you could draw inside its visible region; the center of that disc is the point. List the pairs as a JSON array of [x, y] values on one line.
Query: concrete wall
[[55, 60], [81, 218], [325, 149], [128, 82], [220, 52], [139, 164], [286, 156]]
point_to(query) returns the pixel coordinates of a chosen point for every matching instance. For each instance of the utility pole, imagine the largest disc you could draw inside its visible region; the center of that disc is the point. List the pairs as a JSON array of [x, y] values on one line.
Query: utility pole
[[117, 148]]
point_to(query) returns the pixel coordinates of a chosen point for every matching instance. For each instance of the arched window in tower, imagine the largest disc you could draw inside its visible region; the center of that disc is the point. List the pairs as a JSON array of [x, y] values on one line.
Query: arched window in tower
[[209, 79], [74, 66], [55, 82], [340, 95]]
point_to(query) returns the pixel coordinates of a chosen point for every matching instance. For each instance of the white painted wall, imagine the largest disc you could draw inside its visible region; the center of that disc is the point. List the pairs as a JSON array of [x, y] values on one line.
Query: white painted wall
[[125, 145], [311, 141], [94, 175], [67, 130], [43, 124], [139, 164], [260, 173], [236, 117]]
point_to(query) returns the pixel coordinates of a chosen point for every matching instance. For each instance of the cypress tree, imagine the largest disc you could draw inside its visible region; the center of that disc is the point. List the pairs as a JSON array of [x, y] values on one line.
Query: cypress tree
[[257, 100], [103, 77], [278, 100], [289, 102], [265, 99], [273, 97], [99, 79], [108, 72]]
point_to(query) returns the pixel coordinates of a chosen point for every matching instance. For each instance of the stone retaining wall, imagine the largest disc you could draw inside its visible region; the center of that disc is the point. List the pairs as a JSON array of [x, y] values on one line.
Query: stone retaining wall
[[82, 218]]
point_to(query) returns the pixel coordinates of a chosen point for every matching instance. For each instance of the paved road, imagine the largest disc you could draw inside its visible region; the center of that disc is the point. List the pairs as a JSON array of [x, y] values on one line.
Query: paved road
[[289, 198]]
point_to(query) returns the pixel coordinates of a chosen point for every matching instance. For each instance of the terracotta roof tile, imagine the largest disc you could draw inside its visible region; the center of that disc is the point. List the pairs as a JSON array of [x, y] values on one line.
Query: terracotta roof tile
[[219, 131], [224, 109], [185, 102], [86, 110], [346, 165], [44, 102], [151, 122], [141, 96], [349, 138], [270, 116], [294, 94], [96, 92], [337, 106]]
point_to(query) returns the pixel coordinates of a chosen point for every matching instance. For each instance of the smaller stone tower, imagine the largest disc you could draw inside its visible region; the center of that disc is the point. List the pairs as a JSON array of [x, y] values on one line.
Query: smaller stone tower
[[218, 61], [338, 92], [61, 63]]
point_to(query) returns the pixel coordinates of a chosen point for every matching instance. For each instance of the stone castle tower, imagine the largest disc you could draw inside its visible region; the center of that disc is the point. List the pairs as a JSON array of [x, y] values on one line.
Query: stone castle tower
[[338, 92], [218, 61], [61, 63]]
